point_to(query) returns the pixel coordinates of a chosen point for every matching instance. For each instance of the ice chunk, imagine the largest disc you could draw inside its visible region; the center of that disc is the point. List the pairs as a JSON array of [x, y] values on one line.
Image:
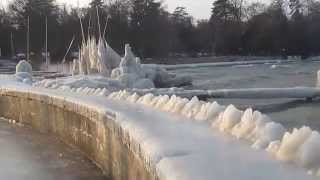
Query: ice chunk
[[161, 102], [230, 118], [271, 132], [291, 143], [309, 155], [213, 111], [202, 115], [24, 67], [146, 99], [260, 121], [192, 107], [24, 72], [178, 107], [246, 126]]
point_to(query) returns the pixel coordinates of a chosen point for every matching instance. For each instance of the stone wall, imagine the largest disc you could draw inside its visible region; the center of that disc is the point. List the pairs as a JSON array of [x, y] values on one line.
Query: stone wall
[[95, 133]]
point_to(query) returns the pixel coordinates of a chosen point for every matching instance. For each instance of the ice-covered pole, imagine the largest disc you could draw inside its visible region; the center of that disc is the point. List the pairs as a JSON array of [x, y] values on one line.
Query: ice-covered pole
[[46, 58], [318, 79]]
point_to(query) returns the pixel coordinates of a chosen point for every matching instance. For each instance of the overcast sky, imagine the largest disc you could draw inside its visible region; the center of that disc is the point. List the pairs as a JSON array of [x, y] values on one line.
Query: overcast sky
[[200, 9]]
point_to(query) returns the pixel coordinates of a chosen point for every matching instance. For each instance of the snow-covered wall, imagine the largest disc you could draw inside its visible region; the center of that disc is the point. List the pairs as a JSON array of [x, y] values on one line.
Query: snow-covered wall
[[93, 129], [131, 141], [301, 146]]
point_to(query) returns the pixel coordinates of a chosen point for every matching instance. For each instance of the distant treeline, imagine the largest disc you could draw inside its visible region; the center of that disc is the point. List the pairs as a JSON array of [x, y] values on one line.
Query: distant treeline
[[236, 27]]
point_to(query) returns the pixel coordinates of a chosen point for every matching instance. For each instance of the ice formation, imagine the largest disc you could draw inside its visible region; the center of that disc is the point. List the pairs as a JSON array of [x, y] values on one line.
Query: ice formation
[[302, 146], [318, 79], [82, 84], [24, 66], [134, 75], [100, 58], [291, 144], [96, 58], [130, 73], [228, 119], [24, 72]]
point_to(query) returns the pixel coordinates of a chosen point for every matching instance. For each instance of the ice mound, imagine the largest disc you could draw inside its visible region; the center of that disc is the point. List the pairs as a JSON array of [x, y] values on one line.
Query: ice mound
[[309, 155], [228, 119], [96, 58], [134, 75], [291, 143], [100, 58], [24, 72], [81, 82], [192, 107], [24, 66], [130, 73], [246, 125], [163, 79], [269, 133]]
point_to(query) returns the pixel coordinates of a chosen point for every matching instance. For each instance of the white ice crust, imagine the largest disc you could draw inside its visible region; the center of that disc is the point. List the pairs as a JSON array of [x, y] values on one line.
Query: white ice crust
[[300, 147]]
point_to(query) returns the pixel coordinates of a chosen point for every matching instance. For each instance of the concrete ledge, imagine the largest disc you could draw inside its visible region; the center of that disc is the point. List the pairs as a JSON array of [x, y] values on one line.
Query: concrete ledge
[[92, 130]]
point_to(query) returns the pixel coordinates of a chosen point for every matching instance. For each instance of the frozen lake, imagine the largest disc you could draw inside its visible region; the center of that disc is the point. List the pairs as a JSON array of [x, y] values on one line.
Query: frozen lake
[[289, 113]]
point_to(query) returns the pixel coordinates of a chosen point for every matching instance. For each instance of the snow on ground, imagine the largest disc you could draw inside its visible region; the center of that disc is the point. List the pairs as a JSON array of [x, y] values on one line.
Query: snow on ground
[[181, 149]]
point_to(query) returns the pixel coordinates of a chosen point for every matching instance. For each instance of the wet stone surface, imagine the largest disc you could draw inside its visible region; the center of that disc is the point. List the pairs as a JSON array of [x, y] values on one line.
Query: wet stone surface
[[28, 155]]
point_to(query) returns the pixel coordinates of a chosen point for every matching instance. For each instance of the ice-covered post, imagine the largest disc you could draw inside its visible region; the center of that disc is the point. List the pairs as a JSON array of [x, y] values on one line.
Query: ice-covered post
[[318, 79], [24, 72], [75, 67]]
